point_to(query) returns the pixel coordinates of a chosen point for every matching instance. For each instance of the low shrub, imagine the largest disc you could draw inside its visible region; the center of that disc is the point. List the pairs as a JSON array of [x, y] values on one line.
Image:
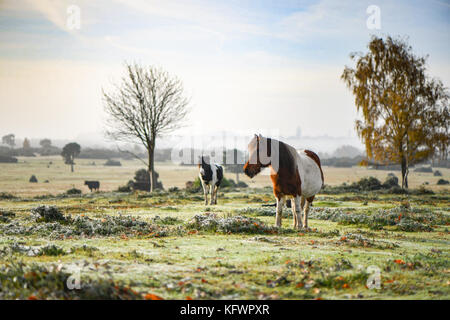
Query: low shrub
[[48, 214], [442, 182], [424, 169], [437, 173], [125, 188], [51, 250], [33, 179], [6, 196], [7, 159], [241, 184], [112, 163], [74, 191]]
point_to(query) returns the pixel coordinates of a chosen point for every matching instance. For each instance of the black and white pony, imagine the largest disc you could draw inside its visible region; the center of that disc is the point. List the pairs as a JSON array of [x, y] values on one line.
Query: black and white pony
[[211, 176]]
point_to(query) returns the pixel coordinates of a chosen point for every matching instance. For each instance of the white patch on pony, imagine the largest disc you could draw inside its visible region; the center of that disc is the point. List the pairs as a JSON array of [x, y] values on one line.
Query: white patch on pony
[[214, 174], [310, 174]]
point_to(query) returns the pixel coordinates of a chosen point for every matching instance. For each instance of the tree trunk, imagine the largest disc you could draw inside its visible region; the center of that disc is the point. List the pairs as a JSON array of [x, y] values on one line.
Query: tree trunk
[[71, 167], [404, 173], [237, 177], [151, 167]]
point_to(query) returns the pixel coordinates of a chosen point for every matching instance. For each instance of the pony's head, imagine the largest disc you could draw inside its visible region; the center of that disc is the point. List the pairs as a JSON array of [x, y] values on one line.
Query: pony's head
[[203, 164], [259, 155]]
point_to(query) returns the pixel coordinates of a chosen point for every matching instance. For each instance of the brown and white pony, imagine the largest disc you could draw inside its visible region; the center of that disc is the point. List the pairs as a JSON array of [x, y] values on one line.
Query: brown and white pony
[[296, 175]]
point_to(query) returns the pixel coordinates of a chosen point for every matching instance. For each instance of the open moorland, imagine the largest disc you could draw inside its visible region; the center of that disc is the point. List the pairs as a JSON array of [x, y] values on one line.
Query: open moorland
[[362, 243]]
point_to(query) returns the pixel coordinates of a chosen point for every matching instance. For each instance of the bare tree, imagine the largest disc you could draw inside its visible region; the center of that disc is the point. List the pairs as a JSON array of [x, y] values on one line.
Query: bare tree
[[147, 103]]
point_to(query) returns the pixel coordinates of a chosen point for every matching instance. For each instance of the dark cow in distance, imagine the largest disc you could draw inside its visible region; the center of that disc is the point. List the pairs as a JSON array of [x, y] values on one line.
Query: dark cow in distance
[[92, 185]]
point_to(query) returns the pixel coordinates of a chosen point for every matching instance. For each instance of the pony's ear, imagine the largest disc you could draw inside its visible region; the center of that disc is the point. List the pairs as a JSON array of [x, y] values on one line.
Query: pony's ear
[[256, 136], [260, 136]]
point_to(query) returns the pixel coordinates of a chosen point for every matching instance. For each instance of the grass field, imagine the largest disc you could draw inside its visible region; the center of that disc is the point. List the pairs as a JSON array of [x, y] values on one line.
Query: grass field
[[14, 177], [168, 245]]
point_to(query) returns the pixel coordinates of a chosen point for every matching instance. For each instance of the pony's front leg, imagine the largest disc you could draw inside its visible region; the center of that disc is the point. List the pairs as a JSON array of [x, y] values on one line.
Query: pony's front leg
[[205, 192], [216, 190], [212, 194], [280, 204], [296, 212]]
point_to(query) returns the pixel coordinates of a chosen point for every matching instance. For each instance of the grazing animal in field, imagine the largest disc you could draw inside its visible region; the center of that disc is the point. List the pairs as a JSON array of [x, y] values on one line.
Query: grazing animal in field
[[211, 176], [92, 185], [297, 175]]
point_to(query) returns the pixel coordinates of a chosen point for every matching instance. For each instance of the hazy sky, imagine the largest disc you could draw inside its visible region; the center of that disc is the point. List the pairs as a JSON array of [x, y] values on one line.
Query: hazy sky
[[245, 64]]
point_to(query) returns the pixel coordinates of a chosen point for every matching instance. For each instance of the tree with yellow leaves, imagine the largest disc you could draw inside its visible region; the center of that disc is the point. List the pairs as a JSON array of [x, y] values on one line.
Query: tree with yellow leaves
[[405, 117]]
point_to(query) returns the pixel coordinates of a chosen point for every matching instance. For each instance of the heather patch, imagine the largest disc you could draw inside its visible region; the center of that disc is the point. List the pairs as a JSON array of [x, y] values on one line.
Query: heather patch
[[359, 240], [114, 225], [235, 224], [52, 223], [404, 219], [32, 282], [262, 211], [5, 216]]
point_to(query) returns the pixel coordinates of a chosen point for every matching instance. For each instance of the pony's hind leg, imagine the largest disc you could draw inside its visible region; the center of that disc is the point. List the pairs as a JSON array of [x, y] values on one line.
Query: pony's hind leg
[[300, 214], [306, 211], [296, 212], [280, 204]]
